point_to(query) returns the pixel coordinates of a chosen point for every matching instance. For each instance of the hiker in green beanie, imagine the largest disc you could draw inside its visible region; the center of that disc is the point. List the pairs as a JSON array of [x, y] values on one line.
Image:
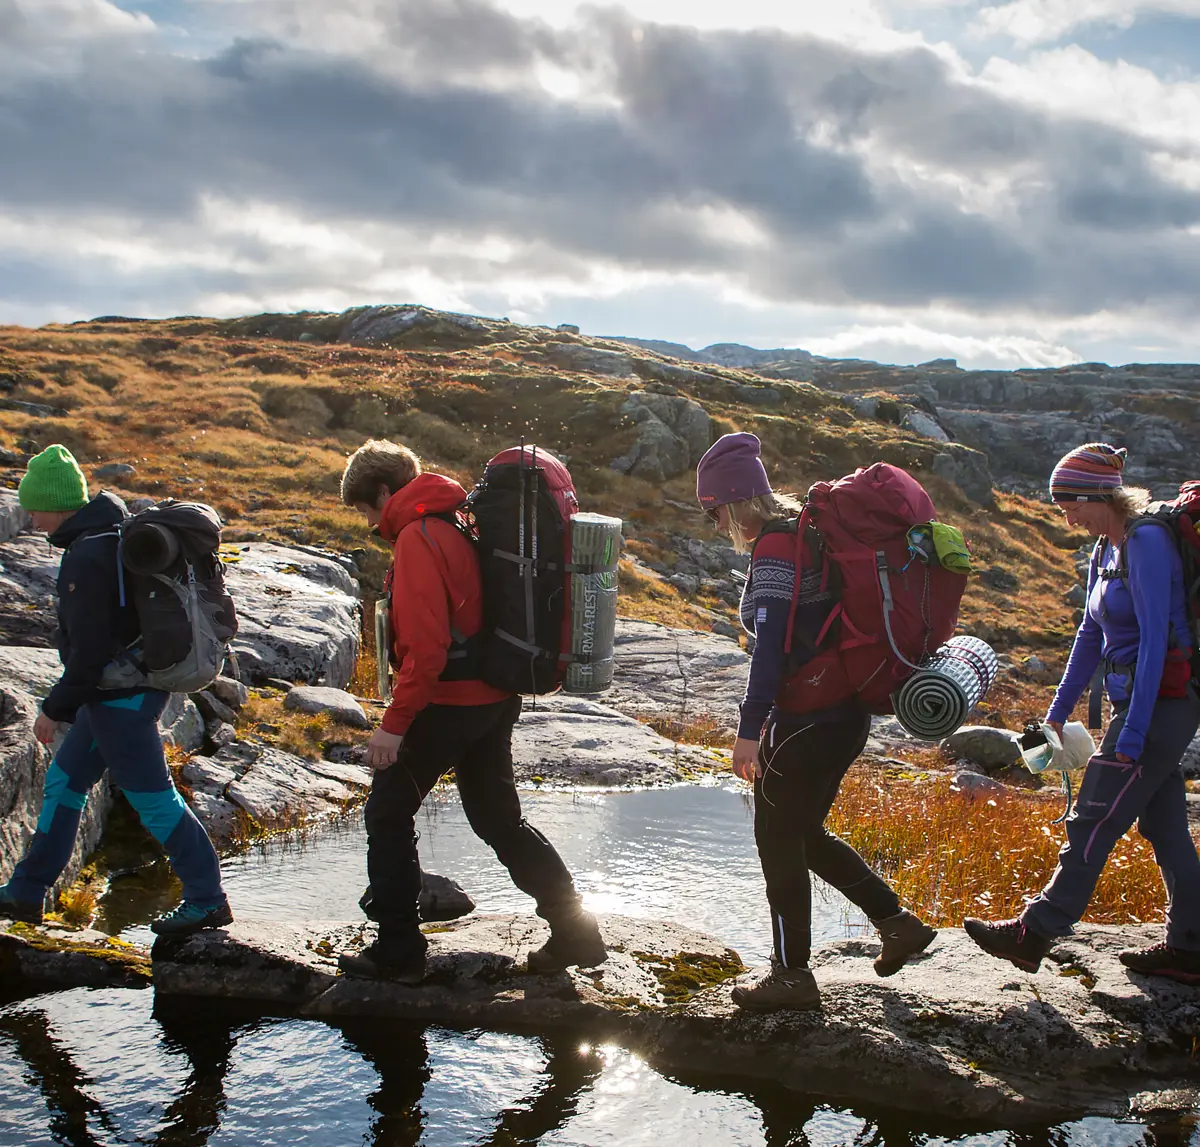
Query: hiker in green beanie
[[109, 729]]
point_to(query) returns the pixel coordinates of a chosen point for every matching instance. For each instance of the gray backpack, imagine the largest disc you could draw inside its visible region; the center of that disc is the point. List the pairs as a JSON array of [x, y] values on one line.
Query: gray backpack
[[168, 566]]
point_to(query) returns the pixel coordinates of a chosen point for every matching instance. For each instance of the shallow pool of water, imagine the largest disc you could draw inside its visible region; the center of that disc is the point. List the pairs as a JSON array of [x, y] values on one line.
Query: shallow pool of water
[[109, 1067]]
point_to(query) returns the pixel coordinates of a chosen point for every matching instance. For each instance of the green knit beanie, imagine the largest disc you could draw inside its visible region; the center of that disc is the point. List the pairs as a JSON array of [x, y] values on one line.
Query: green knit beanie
[[53, 482]]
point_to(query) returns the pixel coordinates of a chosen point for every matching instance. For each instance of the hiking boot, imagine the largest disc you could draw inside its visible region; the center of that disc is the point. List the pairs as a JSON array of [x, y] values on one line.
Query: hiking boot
[[779, 989], [401, 962], [13, 909], [1177, 964], [190, 917], [903, 935], [1010, 940], [574, 940]]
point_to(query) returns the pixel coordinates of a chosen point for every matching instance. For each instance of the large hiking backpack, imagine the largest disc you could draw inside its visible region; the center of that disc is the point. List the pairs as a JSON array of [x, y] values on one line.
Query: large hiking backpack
[[168, 566], [519, 514], [895, 602], [1181, 516]]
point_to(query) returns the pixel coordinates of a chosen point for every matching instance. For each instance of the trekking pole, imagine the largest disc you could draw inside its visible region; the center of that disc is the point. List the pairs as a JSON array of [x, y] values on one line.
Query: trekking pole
[[533, 521]]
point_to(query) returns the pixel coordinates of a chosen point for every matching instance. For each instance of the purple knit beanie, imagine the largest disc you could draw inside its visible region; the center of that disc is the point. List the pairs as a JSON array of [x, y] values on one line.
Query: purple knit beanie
[[1089, 473], [731, 471]]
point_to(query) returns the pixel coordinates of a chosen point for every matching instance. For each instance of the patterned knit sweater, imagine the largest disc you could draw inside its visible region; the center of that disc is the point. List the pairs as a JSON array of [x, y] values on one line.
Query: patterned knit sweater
[[766, 602]]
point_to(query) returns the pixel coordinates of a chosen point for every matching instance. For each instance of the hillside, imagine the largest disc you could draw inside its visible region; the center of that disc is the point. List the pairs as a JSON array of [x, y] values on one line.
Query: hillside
[[257, 415]]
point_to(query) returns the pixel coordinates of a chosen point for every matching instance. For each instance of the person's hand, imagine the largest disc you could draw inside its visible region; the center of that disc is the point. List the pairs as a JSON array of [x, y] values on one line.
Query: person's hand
[[45, 729], [1122, 758], [1057, 726], [745, 759], [382, 749]]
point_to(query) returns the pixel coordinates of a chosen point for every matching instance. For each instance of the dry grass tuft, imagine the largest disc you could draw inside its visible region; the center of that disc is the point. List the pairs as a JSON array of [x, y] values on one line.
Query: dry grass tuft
[[951, 855], [77, 904]]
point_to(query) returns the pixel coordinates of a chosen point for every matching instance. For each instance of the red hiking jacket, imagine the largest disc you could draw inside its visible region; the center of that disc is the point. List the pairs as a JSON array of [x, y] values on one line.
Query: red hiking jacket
[[435, 585]]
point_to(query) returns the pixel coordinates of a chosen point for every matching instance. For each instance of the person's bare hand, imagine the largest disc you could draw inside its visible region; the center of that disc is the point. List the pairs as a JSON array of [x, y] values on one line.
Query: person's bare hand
[[382, 749], [45, 729], [745, 759], [1057, 726]]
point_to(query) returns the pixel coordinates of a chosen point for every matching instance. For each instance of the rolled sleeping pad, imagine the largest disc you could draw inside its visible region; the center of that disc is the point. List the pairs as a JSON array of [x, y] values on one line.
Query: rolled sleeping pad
[[938, 698], [148, 548], [595, 550]]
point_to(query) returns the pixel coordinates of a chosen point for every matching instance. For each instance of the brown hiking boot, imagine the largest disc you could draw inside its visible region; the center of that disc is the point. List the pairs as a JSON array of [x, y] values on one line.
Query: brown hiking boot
[[1176, 964], [903, 935], [1010, 940], [575, 940], [780, 989]]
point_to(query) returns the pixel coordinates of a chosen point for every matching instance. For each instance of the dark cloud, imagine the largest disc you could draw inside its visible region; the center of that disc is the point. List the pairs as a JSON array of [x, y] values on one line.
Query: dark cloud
[[441, 127]]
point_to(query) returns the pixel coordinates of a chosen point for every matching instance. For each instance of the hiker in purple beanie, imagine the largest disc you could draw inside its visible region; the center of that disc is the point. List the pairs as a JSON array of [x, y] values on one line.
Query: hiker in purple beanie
[[1135, 628], [795, 761]]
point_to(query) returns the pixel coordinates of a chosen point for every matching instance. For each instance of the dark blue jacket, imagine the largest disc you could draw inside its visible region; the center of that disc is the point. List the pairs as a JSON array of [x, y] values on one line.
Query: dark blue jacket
[[92, 624]]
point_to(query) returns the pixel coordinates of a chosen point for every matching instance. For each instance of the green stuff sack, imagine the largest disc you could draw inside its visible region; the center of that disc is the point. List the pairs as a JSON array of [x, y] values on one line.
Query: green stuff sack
[[951, 548]]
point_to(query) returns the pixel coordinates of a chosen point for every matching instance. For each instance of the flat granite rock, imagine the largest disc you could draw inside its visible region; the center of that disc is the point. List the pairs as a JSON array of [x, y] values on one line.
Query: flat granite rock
[[955, 1034], [580, 741]]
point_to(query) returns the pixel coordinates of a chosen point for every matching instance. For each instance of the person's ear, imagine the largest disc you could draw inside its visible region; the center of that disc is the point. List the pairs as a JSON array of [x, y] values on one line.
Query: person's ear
[[382, 496]]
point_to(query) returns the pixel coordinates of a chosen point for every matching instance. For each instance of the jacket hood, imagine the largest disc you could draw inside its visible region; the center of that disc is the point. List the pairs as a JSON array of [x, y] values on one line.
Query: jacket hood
[[425, 494], [102, 512]]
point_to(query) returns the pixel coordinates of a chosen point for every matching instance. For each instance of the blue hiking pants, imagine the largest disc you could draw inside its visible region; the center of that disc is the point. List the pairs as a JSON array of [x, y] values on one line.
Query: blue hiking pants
[[121, 736], [1112, 796]]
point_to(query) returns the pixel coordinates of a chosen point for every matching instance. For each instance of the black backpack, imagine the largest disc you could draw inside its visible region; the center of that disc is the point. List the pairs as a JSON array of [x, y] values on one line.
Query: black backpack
[[168, 565]]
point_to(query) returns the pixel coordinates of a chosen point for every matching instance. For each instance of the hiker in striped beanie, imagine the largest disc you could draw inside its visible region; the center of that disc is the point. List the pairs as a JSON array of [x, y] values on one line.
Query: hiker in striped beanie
[[1136, 632], [1090, 473]]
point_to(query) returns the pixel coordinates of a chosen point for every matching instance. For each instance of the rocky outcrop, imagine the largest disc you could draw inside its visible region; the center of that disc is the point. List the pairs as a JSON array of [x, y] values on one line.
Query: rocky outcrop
[[674, 432], [298, 614], [955, 1034], [12, 518], [1025, 420], [579, 741]]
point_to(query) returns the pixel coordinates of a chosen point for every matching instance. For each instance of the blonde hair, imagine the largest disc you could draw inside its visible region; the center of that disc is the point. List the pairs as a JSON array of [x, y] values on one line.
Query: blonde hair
[[1130, 501], [377, 462], [773, 507]]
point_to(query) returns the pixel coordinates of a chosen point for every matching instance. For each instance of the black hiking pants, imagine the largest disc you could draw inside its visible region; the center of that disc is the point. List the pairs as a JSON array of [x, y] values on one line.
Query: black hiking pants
[[476, 742], [803, 766]]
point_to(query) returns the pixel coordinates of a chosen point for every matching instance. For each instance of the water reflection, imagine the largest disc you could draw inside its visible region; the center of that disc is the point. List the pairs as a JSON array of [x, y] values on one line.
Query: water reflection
[[95, 1068]]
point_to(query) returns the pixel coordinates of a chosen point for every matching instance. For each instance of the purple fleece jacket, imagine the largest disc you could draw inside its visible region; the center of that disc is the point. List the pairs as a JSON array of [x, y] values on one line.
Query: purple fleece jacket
[[1127, 624]]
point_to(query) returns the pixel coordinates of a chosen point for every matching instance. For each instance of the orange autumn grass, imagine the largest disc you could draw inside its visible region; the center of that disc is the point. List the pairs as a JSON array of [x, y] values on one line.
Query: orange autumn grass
[[950, 855]]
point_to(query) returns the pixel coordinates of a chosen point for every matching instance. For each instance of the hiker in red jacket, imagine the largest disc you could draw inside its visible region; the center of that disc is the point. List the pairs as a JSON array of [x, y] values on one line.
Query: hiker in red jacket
[[796, 761], [443, 717]]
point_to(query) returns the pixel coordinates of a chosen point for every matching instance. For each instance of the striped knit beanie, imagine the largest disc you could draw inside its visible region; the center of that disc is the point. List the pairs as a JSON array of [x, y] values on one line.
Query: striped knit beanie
[[1088, 474]]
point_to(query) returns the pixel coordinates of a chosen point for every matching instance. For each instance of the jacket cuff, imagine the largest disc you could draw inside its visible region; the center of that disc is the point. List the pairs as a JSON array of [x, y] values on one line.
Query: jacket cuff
[[395, 722]]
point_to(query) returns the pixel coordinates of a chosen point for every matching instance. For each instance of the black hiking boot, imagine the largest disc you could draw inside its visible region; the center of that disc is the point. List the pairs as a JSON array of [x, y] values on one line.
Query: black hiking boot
[[780, 989], [13, 909], [400, 961], [1178, 964], [1010, 940], [574, 940], [903, 935], [190, 917]]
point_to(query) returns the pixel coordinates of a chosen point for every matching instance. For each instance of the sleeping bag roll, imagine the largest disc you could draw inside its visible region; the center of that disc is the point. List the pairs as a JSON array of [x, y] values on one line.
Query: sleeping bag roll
[[595, 550]]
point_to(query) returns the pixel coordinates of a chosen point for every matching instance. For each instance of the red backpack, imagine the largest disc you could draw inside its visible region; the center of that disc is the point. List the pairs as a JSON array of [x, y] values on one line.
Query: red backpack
[[519, 516], [895, 602]]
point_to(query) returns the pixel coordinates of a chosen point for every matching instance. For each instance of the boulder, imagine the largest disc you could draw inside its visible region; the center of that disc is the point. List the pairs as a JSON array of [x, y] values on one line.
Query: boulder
[[925, 426], [230, 692], [182, 724], [298, 615], [978, 785], [992, 748], [13, 519], [212, 708], [674, 432], [576, 741], [337, 703], [954, 1035], [114, 470]]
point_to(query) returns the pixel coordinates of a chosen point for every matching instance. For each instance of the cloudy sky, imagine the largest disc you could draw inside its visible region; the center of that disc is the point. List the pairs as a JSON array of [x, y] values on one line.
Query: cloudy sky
[[1010, 183]]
